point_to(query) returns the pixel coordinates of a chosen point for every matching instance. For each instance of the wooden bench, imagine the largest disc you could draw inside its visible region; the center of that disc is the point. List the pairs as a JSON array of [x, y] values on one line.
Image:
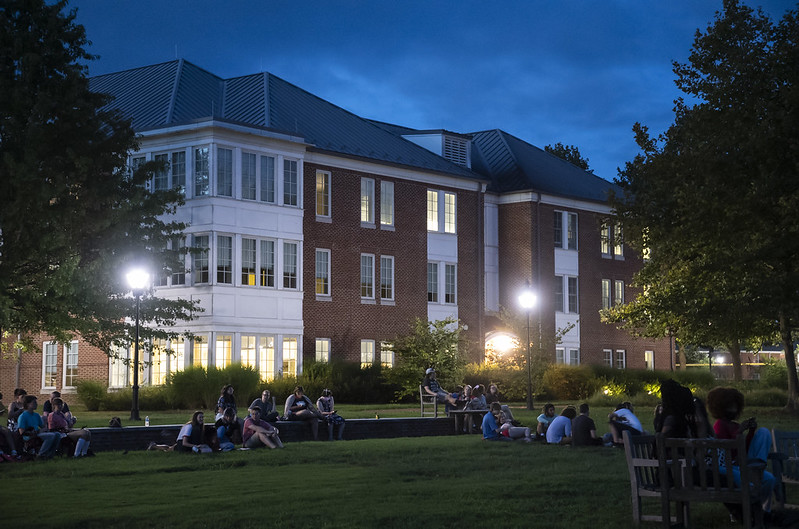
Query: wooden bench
[[785, 464], [642, 464], [701, 470], [464, 419]]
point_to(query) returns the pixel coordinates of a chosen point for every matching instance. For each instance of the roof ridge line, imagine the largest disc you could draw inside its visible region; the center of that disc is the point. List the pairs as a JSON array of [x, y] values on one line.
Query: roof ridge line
[[171, 110]]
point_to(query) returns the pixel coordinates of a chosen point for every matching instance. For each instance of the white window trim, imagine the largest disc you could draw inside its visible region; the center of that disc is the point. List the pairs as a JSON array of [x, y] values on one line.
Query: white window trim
[[316, 351], [577, 363], [616, 299], [443, 299], [560, 356], [604, 357], [367, 299], [442, 197], [384, 184], [64, 371], [371, 222], [374, 353], [393, 279], [329, 276], [44, 364], [568, 215], [280, 250], [624, 358], [567, 294]]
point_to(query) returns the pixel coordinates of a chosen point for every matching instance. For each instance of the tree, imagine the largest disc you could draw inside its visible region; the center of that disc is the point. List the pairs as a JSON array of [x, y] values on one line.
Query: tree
[[570, 153], [73, 215], [711, 199]]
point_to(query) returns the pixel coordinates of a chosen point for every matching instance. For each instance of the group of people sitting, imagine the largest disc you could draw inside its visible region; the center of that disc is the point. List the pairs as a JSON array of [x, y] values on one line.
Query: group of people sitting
[[30, 434]]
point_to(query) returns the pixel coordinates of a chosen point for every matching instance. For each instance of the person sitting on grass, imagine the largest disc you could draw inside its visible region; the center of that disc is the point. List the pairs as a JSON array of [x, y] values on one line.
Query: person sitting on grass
[[47, 408], [620, 420], [545, 419], [266, 403], [192, 436], [258, 433], [30, 425], [227, 430], [431, 386], [327, 407], [58, 422], [560, 431], [17, 406], [300, 408], [490, 426], [508, 429], [584, 429]]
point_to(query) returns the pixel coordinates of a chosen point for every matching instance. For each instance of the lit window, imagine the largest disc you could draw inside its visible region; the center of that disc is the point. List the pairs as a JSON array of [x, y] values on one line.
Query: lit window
[[290, 357], [224, 172], [432, 210], [618, 241], [200, 171], [367, 353], [449, 213], [323, 272], [604, 239], [557, 294], [200, 259], [387, 277], [200, 351], [267, 263], [367, 276], [178, 349], [557, 228], [387, 354], [248, 254], [71, 364], [450, 283], [248, 351], [571, 231], [322, 194], [267, 179], [432, 282], [50, 365], [266, 357], [618, 292], [224, 259], [649, 360], [387, 203], [621, 358], [606, 293], [248, 176], [323, 350], [158, 362], [290, 183], [120, 367], [290, 265], [572, 282], [367, 201], [224, 345]]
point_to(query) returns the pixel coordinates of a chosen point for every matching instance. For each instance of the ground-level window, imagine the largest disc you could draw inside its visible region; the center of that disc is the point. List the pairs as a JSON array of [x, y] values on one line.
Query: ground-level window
[[290, 356], [367, 353], [222, 351], [200, 351], [649, 360], [178, 350], [387, 354], [50, 365], [119, 377], [266, 353], [323, 350], [607, 354], [159, 360], [621, 359], [248, 351]]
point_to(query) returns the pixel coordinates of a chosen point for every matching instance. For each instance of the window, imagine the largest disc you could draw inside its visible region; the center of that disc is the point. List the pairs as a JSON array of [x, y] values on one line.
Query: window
[[557, 228], [608, 356], [618, 241], [557, 297], [387, 277], [604, 240], [367, 353], [387, 203], [606, 293], [158, 362], [649, 360], [173, 167], [322, 272], [618, 292], [267, 263], [449, 213], [367, 276], [571, 231], [450, 283], [224, 172], [201, 171], [135, 163], [432, 282], [574, 357], [248, 177], [120, 367], [224, 259], [266, 357], [267, 179], [224, 345], [290, 183], [50, 365], [161, 276], [572, 282], [621, 359], [161, 179], [178, 347], [323, 350], [248, 351], [387, 354], [178, 244], [560, 356], [290, 357], [432, 210], [290, 265], [200, 259], [200, 351], [248, 255], [71, 364], [322, 194], [367, 201]]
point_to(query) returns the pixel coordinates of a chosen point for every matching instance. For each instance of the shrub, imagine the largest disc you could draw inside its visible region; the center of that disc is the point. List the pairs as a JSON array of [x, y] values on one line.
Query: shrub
[[767, 397], [774, 374], [569, 382], [91, 393], [198, 387], [511, 380]]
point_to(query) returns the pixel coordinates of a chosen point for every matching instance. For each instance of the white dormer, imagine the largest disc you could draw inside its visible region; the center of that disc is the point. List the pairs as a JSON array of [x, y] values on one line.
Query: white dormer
[[457, 148]]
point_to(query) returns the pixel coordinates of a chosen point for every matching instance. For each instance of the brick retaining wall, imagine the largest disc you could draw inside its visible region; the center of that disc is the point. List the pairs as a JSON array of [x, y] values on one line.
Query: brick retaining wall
[[138, 437]]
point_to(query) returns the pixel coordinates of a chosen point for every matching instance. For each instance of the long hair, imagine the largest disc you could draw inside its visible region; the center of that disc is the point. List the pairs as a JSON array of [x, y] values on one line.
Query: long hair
[[197, 428]]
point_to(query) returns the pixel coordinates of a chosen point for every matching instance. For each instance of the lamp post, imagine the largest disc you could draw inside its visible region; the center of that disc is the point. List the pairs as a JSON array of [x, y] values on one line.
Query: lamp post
[[137, 280], [527, 300]]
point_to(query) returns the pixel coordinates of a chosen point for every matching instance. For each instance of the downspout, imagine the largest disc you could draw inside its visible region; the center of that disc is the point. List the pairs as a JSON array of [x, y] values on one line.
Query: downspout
[[481, 305]]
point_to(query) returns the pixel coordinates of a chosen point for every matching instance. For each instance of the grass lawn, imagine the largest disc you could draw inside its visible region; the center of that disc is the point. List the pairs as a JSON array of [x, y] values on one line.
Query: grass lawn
[[408, 482]]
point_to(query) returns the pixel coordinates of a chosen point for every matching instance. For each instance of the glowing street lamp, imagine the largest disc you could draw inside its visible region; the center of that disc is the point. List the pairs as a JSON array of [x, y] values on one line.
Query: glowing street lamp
[[528, 300], [138, 280]]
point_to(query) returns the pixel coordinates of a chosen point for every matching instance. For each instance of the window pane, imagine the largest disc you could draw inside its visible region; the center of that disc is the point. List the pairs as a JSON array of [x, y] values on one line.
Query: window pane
[[557, 229], [200, 171], [572, 294], [71, 367], [449, 212], [574, 357], [367, 276], [620, 360], [120, 370], [178, 168], [572, 231], [200, 259], [618, 241], [50, 365], [649, 360], [387, 203], [289, 265], [224, 172], [604, 239], [248, 351], [200, 352], [322, 194], [179, 274], [224, 259], [450, 281], [266, 355], [158, 367], [248, 176], [267, 179], [608, 357], [178, 349], [267, 263], [386, 354], [248, 254], [432, 282], [559, 356], [557, 291], [367, 200], [367, 353], [290, 183], [432, 210], [290, 357], [323, 272], [606, 293], [161, 180], [322, 350], [387, 277], [224, 344], [618, 294]]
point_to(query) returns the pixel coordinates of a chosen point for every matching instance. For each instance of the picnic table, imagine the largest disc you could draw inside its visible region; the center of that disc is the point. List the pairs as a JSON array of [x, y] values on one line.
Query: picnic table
[[465, 418]]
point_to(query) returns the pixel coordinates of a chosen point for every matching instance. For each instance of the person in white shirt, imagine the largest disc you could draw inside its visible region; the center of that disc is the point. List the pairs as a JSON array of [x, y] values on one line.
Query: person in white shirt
[[624, 419]]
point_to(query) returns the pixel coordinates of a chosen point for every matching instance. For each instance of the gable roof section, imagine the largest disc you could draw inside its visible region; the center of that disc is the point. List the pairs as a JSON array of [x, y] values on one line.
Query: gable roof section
[[179, 92]]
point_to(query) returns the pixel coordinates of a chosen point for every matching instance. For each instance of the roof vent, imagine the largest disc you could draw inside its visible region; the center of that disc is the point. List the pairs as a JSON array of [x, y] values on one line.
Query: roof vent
[[456, 150]]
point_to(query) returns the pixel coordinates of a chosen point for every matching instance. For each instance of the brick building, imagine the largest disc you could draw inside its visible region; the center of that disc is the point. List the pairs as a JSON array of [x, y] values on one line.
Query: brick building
[[322, 234]]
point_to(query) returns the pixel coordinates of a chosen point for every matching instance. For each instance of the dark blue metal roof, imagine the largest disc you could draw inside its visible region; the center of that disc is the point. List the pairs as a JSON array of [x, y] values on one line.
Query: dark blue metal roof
[[178, 92]]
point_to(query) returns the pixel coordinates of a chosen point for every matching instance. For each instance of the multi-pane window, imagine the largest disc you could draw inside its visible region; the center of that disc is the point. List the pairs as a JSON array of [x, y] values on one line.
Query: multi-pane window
[[606, 293], [267, 264], [290, 265], [290, 356], [178, 348], [267, 179], [200, 259], [449, 213], [604, 239], [179, 274], [200, 351], [120, 367], [432, 210], [71, 364], [161, 276], [158, 362], [574, 357], [290, 183], [560, 356], [568, 239], [572, 283], [224, 346], [323, 272], [621, 359], [136, 163], [266, 357], [557, 294], [161, 179], [201, 182], [224, 259], [608, 357], [432, 282], [571, 231], [649, 360], [322, 194], [618, 241], [248, 262], [387, 277], [367, 353], [322, 350], [367, 276], [557, 228], [387, 354], [387, 203], [50, 365], [618, 292], [248, 351], [224, 172], [248, 176], [367, 200], [450, 283]]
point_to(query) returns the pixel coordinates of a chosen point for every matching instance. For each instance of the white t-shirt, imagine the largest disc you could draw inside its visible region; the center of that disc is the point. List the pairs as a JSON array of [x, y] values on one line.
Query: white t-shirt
[[185, 431], [628, 417]]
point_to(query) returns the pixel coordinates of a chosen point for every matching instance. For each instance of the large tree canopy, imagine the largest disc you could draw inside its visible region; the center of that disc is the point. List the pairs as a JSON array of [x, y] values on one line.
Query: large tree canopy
[[711, 200], [73, 216]]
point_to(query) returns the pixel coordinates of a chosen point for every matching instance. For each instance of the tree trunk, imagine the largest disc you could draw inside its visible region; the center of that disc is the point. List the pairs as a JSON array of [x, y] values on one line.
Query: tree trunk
[[734, 347], [790, 363], [683, 360]]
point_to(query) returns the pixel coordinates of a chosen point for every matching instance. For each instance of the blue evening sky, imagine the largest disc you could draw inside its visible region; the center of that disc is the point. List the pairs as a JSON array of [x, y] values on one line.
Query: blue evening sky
[[577, 71]]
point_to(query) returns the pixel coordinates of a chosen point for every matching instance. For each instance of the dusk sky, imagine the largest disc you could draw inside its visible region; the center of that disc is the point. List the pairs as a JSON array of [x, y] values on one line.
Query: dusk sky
[[577, 71]]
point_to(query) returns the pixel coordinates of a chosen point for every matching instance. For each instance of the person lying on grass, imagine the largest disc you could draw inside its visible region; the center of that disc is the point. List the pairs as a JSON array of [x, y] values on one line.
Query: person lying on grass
[[258, 433], [508, 429]]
